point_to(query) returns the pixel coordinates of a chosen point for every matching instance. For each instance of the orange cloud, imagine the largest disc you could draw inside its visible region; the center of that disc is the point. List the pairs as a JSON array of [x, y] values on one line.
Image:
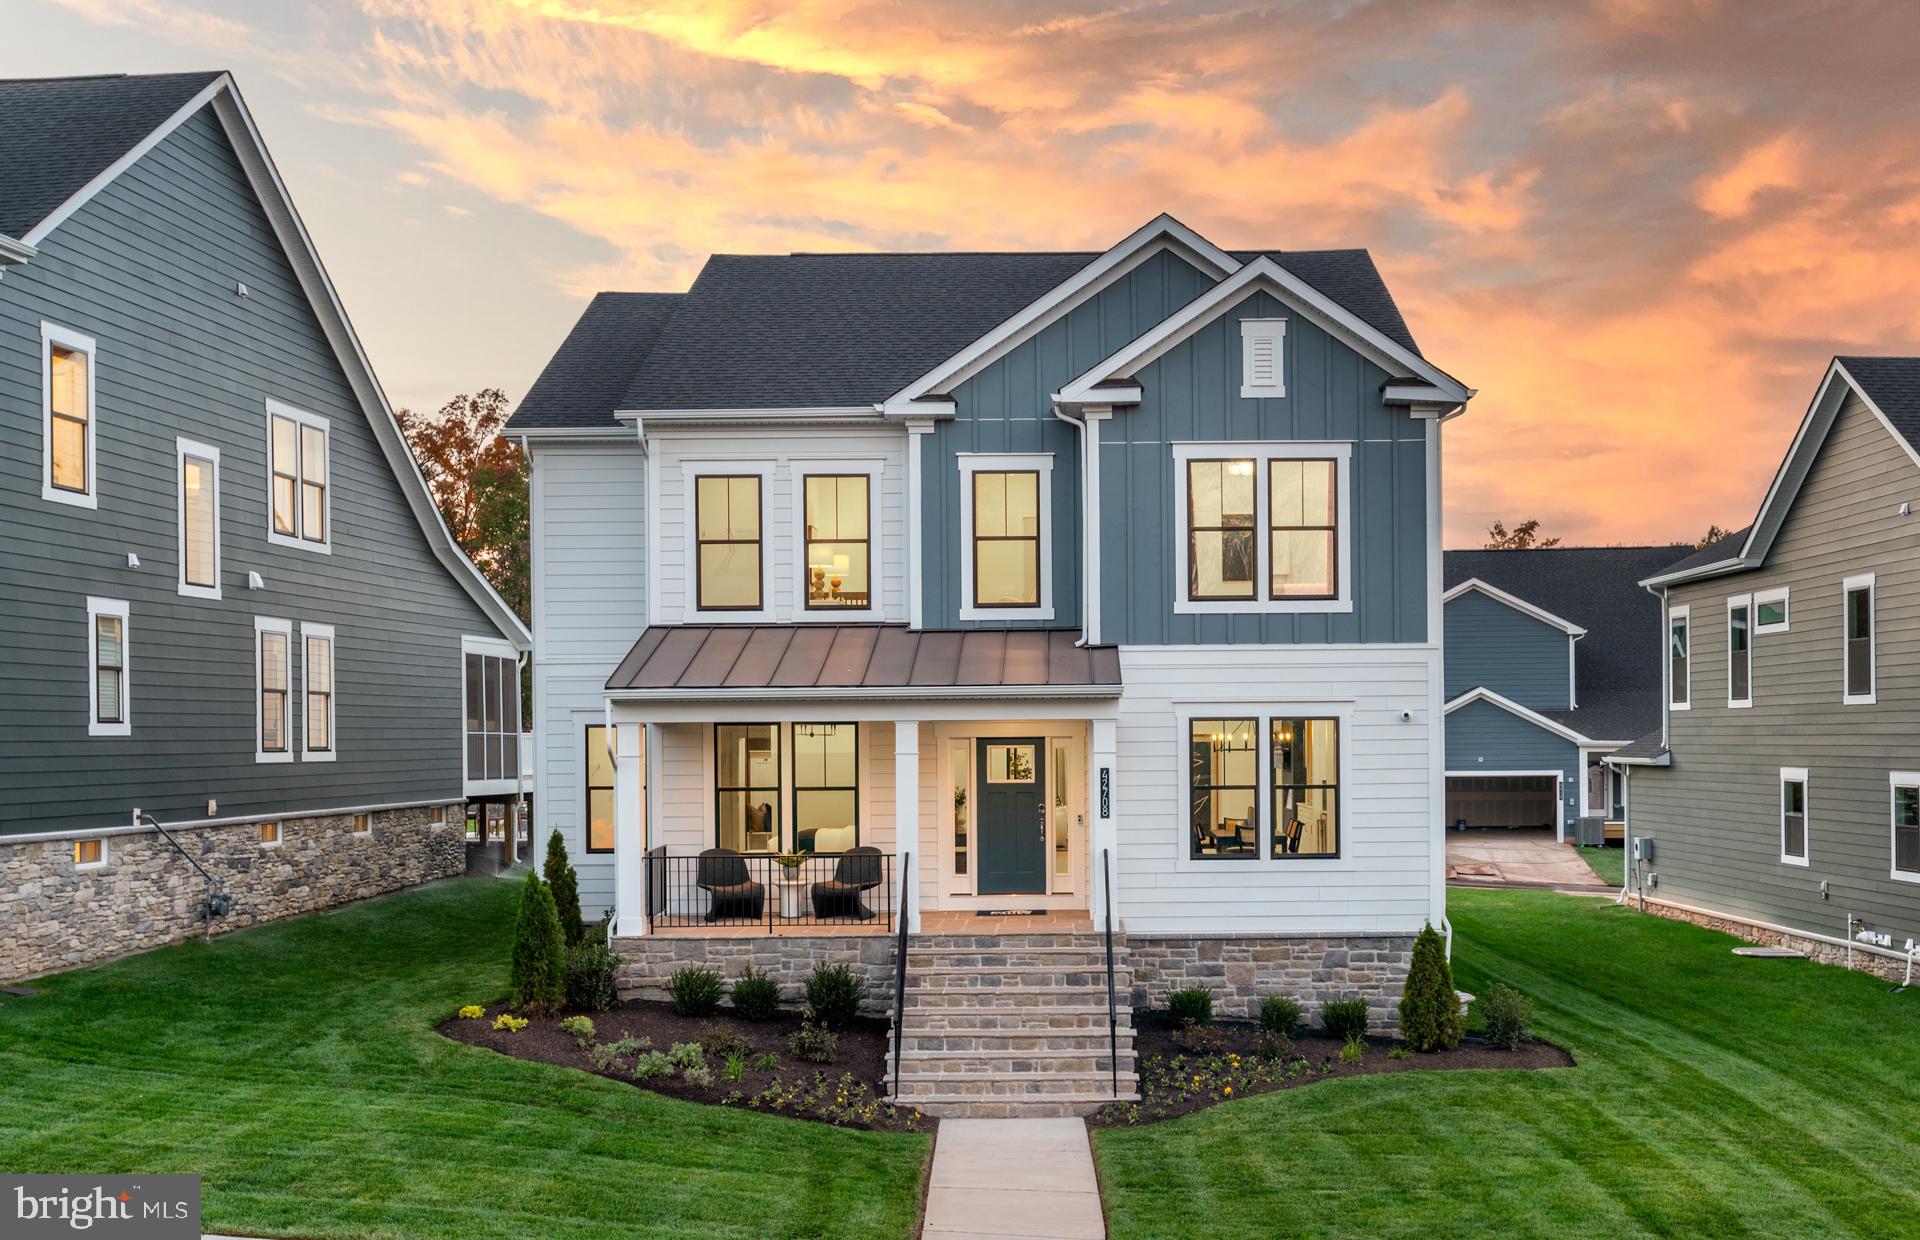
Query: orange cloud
[[1776, 164]]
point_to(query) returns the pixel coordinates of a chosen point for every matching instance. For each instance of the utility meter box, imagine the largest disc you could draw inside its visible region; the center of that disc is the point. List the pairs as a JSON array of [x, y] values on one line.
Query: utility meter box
[[1642, 848]]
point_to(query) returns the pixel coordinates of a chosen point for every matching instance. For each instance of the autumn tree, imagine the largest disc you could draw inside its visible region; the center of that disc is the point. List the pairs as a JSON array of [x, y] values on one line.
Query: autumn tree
[[1713, 535], [1523, 537], [479, 482]]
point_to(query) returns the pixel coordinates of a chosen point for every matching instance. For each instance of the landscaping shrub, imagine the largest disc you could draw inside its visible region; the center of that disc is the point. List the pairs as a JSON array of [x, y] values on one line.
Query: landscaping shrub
[[1343, 1018], [580, 1027], [1191, 1006], [687, 1055], [699, 1074], [509, 1022], [1430, 1010], [834, 992], [695, 991], [539, 973], [1280, 1014], [565, 885], [590, 969], [720, 1041], [650, 1065], [1507, 1013], [472, 1011], [1273, 1046], [814, 1043], [1354, 1050], [756, 996]]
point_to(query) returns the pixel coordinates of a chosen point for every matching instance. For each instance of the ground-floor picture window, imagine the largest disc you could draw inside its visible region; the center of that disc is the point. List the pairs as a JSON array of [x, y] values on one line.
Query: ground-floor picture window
[[599, 768], [826, 787], [1306, 787], [746, 786], [1223, 759]]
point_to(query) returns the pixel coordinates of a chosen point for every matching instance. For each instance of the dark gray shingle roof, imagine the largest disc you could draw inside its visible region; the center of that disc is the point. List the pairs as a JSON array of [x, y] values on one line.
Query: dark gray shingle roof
[[1727, 548], [1893, 383], [1649, 748], [56, 134], [585, 380], [1617, 664]]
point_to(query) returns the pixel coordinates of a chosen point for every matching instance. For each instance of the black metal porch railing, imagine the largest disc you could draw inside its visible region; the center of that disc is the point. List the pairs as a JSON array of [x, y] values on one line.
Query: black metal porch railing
[[850, 889]]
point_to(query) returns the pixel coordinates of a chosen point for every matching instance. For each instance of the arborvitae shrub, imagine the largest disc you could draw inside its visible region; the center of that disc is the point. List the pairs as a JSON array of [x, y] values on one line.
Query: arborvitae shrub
[[1430, 1010], [539, 973], [566, 889]]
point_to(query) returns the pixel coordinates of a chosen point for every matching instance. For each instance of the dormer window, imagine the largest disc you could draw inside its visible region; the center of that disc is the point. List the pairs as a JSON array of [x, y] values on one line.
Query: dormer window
[[1263, 358]]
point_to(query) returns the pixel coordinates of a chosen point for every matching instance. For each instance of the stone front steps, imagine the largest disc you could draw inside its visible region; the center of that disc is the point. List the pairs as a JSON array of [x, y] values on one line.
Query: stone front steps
[[1009, 1026]]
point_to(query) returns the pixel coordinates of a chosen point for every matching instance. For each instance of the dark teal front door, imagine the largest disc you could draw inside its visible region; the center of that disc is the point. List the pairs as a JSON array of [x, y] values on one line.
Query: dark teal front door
[[1013, 816]]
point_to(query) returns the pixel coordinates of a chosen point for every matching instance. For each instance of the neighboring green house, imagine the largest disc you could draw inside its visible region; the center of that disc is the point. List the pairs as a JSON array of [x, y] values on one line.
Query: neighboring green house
[[1782, 797]]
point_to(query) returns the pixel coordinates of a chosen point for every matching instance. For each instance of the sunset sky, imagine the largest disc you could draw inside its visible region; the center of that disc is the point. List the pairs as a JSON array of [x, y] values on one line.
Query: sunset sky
[[1640, 227]]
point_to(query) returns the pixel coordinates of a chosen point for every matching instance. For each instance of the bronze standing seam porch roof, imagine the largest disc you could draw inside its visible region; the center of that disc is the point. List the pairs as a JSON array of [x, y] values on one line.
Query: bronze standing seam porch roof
[[889, 659]]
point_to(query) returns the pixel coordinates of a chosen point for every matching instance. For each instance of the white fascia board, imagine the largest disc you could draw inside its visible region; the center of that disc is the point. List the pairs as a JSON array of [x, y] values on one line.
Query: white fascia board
[[13, 252], [1516, 602], [772, 417], [1719, 568], [1514, 708], [1664, 759], [1416, 394], [1160, 233], [598, 433], [1261, 273]]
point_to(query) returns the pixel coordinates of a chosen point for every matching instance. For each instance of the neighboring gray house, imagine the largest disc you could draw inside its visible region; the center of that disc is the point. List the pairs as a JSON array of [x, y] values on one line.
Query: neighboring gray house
[[229, 602], [1546, 672], [1782, 798]]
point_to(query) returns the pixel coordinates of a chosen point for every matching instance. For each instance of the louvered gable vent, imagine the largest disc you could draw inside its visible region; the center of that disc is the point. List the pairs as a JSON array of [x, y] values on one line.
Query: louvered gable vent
[[1262, 354]]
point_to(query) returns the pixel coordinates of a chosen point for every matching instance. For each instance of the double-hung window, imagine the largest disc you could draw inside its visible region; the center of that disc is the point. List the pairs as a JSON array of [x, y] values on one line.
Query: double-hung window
[[1740, 650], [1679, 662], [299, 501], [728, 554], [826, 787], [1221, 559], [1267, 527], [492, 676], [600, 772], [1857, 616], [1793, 815], [198, 467], [316, 685], [746, 786], [273, 689], [1906, 825], [1006, 538], [1223, 761], [1302, 524], [839, 547], [108, 712], [1306, 787], [66, 417]]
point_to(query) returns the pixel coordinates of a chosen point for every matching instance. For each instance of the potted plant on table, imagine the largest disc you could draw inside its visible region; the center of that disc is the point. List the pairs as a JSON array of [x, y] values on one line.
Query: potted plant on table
[[792, 883]]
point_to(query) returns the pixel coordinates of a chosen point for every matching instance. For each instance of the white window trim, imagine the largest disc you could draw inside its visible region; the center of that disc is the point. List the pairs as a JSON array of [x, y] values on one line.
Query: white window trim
[[1263, 711], [1897, 780], [310, 629], [972, 463], [1779, 595], [106, 854], [279, 832], [269, 624], [1795, 774], [493, 648], [1861, 581], [182, 449], [874, 472], [1683, 613], [1733, 703], [53, 334], [690, 472], [1261, 452], [109, 607], [1263, 329], [300, 417]]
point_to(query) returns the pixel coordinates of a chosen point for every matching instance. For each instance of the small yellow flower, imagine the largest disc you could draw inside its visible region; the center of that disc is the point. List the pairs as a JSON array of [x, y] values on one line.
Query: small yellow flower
[[472, 1011], [1229, 1091]]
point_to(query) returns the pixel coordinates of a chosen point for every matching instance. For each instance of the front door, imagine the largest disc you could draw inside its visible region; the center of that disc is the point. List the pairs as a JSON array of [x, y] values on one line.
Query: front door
[[1013, 816]]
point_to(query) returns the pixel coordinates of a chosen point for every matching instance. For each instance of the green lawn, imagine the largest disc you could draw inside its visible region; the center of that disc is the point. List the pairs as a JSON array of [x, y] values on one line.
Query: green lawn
[[1609, 863], [1715, 1096], [296, 1069]]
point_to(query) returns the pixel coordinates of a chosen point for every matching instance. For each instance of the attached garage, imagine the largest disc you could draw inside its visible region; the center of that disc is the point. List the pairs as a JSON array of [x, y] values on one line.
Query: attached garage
[[1503, 800]]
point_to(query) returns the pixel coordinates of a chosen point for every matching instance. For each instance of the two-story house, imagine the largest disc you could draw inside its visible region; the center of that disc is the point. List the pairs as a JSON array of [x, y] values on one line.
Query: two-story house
[[1547, 672], [227, 603], [1781, 798], [1103, 587]]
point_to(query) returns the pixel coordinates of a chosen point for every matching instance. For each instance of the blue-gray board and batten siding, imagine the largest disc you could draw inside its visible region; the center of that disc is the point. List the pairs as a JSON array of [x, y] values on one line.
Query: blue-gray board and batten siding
[[148, 269], [1492, 646], [1483, 739]]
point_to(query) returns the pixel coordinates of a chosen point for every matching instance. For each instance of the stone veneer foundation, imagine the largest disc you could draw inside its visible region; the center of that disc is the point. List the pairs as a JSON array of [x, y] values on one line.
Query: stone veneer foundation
[[56, 916], [646, 962], [1241, 970], [1825, 953]]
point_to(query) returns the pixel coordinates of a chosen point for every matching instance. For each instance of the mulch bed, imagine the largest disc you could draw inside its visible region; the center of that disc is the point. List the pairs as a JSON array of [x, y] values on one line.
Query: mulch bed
[[861, 1055], [1227, 1057]]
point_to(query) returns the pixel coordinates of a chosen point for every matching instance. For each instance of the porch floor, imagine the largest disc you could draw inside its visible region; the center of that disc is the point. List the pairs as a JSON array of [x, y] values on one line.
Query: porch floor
[[797, 929], [942, 921]]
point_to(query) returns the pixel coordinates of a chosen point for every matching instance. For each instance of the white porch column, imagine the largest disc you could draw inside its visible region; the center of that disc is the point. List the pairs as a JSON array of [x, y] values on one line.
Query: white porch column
[[629, 828], [1103, 840], [906, 817]]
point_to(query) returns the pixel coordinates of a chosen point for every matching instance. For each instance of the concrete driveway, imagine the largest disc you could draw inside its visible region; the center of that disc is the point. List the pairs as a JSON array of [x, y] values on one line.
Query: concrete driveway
[[1520, 858]]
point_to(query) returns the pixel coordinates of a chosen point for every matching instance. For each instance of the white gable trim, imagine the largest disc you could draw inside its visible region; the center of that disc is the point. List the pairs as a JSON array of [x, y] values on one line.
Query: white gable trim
[[1517, 603], [1514, 708], [1161, 233], [1260, 274]]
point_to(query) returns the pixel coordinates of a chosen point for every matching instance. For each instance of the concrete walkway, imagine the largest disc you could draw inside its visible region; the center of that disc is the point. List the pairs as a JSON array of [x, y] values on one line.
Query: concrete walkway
[[1013, 1177], [1518, 858]]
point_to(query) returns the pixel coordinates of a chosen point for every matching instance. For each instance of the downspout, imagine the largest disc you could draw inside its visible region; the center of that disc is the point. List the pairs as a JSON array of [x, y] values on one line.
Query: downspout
[[1087, 601], [520, 759]]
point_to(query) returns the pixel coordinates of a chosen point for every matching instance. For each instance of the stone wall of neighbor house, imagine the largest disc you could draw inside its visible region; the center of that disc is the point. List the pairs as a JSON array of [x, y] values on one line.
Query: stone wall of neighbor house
[[55, 916], [647, 962], [1242, 970], [1825, 953]]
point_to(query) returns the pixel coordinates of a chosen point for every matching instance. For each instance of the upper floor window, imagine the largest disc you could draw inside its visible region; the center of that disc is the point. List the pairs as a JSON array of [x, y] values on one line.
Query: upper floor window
[[1306, 787], [273, 684], [1220, 533], [1302, 523], [1006, 526], [1859, 658], [746, 786], [67, 427], [1793, 815], [826, 787], [491, 670], [1906, 826], [1262, 357], [727, 548], [1266, 527], [316, 683], [1740, 651], [198, 467], [1679, 669], [1770, 610], [107, 713], [839, 546], [300, 503]]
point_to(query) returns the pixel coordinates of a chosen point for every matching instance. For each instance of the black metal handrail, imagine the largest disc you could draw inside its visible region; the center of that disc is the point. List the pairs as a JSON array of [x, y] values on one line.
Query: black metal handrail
[[900, 972], [1113, 1014], [654, 875], [730, 889], [218, 900]]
